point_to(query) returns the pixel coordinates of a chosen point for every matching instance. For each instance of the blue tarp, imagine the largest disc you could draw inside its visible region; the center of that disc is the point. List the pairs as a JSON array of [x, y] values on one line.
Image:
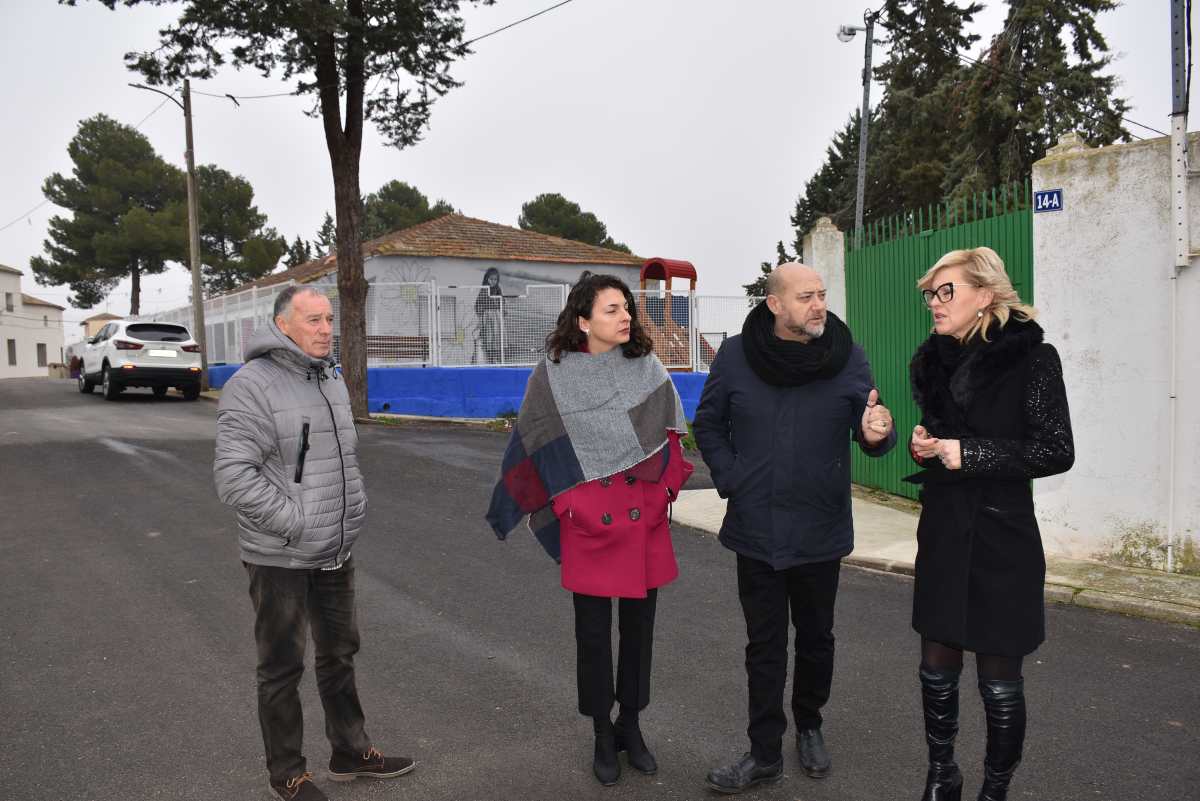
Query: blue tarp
[[459, 391]]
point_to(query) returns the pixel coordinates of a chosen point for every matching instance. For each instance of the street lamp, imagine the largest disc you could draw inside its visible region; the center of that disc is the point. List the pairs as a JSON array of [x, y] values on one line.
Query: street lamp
[[844, 34], [193, 200]]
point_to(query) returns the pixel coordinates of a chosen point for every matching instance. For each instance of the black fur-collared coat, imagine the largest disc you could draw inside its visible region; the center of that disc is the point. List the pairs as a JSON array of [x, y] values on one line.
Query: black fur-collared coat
[[980, 567]]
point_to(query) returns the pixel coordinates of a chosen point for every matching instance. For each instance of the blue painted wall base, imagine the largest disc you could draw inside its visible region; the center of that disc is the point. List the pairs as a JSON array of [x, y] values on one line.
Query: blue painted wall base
[[484, 392]]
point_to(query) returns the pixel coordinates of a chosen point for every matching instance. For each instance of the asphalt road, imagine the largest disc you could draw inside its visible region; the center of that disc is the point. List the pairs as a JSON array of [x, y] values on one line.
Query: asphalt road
[[127, 659]]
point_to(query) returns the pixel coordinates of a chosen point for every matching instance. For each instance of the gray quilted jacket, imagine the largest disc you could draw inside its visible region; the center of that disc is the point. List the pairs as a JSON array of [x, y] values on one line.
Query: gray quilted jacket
[[296, 507]]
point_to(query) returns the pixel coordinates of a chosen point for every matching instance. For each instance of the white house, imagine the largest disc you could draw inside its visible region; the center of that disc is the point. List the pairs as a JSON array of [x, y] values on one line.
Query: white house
[[31, 330]]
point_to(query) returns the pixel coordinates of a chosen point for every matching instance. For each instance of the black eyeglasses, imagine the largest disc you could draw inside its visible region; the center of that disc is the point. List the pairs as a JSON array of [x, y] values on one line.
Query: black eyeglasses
[[944, 293]]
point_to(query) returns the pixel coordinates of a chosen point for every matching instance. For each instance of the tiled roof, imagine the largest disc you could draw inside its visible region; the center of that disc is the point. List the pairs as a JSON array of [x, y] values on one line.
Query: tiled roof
[[30, 300], [4, 268], [461, 237], [102, 316]]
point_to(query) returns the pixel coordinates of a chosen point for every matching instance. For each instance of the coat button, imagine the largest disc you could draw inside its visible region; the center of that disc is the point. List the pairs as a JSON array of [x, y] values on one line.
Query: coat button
[[606, 518], [630, 481], [604, 482], [635, 514]]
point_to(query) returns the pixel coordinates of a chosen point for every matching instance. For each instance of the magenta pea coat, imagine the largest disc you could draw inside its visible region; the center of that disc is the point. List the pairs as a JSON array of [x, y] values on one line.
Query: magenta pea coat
[[615, 533]]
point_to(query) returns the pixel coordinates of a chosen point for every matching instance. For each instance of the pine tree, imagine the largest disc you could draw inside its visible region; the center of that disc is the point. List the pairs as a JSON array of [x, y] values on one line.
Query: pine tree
[[236, 245], [395, 206], [553, 214], [920, 115], [299, 252], [124, 221], [758, 287], [1040, 78], [831, 192], [326, 239]]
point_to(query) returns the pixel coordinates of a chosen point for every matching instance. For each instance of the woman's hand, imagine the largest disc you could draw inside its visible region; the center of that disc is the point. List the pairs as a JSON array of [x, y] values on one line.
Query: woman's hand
[[950, 453], [923, 445]]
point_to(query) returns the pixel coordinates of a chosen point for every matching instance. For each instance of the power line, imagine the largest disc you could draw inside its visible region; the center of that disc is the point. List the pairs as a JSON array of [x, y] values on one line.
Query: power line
[[518, 22], [236, 98], [8, 225]]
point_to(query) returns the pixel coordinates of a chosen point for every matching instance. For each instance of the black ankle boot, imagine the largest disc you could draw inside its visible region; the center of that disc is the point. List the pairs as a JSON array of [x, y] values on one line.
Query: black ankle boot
[[605, 764], [939, 696], [629, 740], [1004, 704]]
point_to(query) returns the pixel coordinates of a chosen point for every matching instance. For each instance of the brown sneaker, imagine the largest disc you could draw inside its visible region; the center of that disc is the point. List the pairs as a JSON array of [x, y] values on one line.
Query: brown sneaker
[[299, 788], [372, 764]]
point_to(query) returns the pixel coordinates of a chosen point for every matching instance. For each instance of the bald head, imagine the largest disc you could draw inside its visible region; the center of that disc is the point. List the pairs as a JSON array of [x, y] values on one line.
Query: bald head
[[796, 296], [787, 274]]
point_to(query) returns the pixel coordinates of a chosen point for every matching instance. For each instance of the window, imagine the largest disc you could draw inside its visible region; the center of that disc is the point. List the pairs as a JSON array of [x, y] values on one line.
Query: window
[[8, 301], [45, 321], [12, 353], [41, 351], [158, 332]]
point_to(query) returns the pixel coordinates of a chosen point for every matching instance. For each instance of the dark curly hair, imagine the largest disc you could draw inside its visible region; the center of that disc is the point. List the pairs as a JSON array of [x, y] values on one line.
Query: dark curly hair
[[566, 335]]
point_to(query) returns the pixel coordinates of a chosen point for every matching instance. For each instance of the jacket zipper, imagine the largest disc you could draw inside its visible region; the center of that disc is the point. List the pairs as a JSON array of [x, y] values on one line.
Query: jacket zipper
[[341, 460], [303, 452]]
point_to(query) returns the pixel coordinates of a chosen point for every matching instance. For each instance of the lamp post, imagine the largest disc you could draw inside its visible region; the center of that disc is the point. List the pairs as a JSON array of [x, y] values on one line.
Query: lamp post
[[193, 198], [845, 34]]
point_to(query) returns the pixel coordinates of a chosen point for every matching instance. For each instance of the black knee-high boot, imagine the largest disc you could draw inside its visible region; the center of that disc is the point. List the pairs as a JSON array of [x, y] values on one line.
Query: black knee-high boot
[[939, 695], [1004, 703], [605, 764]]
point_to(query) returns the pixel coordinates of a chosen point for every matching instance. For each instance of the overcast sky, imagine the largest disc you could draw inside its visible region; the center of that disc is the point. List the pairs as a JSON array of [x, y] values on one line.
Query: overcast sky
[[688, 126]]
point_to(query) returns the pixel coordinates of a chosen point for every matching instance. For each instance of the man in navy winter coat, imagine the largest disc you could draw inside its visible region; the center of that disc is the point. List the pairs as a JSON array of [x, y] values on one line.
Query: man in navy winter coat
[[781, 404]]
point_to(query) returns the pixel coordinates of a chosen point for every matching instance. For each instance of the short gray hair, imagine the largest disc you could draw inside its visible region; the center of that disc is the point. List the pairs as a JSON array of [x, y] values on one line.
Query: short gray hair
[[283, 301]]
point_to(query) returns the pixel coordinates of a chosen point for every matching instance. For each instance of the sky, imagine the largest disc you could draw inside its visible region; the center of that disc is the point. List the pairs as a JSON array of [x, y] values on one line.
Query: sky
[[689, 127]]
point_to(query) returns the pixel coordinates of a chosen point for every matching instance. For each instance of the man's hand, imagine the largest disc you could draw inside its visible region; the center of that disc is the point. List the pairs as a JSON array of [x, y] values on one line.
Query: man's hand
[[876, 420]]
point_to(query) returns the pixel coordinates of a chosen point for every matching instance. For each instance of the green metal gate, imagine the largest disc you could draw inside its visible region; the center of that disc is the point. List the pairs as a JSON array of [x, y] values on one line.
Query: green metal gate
[[885, 311]]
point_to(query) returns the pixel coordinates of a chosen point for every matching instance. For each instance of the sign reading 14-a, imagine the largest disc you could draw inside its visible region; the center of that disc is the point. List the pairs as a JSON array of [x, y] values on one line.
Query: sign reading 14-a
[[1048, 200]]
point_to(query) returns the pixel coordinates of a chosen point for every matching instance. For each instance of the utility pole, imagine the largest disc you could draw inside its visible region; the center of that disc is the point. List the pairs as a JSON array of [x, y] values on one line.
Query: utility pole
[[845, 34], [1180, 243], [193, 196]]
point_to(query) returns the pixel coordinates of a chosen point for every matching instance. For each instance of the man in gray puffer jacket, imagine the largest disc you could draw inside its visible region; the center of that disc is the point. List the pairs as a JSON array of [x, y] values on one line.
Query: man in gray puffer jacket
[[286, 460]]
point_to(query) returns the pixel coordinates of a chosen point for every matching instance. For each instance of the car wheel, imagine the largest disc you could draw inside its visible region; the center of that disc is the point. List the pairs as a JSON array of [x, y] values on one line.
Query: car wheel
[[85, 386], [109, 388], [191, 393], [160, 392]]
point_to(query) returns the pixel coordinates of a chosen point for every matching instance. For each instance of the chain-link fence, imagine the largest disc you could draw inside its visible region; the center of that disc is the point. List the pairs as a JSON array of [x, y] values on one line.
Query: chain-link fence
[[666, 316], [716, 319], [462, 326]]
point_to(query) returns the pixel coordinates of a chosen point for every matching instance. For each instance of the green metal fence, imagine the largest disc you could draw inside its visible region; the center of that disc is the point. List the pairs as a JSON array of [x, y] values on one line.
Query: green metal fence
[[885, 311]]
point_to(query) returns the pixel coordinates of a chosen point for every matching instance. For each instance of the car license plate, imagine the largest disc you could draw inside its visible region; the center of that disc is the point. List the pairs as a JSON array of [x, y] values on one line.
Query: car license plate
[[170, 354]]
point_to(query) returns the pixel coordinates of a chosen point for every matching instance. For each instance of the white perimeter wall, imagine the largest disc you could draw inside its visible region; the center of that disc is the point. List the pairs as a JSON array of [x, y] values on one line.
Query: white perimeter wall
[[1102, 268]]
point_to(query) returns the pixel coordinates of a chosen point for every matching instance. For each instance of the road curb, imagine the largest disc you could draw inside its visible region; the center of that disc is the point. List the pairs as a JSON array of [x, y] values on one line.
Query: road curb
[[1130, 605]]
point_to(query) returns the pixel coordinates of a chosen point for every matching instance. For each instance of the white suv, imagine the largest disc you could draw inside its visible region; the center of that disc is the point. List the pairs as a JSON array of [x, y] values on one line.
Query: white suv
[[129, 353]]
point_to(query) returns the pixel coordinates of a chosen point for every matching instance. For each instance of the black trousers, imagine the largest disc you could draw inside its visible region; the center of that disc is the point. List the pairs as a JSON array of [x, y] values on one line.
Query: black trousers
[[594, 662], [809, 592], [285, 601]]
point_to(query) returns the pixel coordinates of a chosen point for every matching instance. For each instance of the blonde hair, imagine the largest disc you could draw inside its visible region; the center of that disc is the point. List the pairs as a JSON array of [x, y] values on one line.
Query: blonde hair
[[983, 268]]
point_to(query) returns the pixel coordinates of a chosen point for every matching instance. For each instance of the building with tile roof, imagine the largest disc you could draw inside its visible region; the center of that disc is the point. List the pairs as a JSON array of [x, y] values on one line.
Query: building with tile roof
[[31, 331]]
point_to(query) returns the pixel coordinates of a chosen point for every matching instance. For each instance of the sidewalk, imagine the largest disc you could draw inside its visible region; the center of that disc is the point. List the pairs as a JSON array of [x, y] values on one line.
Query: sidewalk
[[885, 539]]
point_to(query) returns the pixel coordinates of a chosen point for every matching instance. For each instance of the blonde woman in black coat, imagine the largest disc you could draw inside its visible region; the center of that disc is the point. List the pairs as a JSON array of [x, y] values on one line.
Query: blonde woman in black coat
[[993, 416]]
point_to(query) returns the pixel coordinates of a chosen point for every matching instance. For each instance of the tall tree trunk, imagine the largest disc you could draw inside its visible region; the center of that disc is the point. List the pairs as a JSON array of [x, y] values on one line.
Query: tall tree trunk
[[351, 283], [135, 291], [345, 148]]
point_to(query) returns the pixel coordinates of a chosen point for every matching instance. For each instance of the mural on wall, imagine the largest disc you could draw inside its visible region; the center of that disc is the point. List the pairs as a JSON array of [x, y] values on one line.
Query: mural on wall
[[484, 313], [489, 314]]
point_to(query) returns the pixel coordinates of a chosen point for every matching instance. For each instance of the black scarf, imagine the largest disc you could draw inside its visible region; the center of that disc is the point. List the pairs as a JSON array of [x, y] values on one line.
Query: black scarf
[[786, 363]]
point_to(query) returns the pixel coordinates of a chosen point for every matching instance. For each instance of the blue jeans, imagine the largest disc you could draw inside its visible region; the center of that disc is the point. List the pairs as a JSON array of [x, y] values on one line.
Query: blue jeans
[[285, 600]]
